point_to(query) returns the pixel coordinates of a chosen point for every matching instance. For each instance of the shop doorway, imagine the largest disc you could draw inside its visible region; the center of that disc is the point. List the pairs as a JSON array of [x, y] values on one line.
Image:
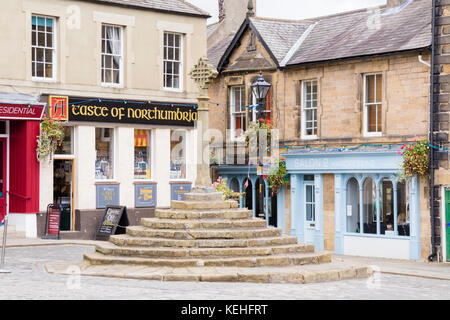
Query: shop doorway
[[63, 177], [273, 216], [260, 199], [3, 178], [447, 222], [310, 212]]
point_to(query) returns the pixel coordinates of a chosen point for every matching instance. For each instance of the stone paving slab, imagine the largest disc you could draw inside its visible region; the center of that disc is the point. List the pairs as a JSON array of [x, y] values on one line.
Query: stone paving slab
[[305, 274]]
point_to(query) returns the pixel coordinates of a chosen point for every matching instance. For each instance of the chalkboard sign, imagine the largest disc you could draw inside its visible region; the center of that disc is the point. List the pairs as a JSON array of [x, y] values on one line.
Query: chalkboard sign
[[52, 221], [115, 221]]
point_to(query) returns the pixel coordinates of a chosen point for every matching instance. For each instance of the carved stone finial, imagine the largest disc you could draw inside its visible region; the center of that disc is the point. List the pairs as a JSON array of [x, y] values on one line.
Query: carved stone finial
[[250, 8], [203, 73]]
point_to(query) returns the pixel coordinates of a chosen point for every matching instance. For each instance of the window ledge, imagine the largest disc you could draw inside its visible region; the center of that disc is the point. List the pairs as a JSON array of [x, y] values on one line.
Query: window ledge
[[372, 134], [144, 182], [381, 236], [103, 182], [112, 85], [45, 80], [309, 137], [173, 89]]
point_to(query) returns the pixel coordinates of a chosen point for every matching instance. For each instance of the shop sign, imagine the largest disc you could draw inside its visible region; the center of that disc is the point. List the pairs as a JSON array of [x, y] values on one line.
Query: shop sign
[[145, 195], [107, 195], [21, 111], [58, 108], [179, 190], [132, 112]]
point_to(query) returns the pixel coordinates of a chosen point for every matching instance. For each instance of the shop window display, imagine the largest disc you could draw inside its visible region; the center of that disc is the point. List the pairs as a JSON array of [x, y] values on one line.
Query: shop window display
[[178, 155], [104, 138], [142, 154]]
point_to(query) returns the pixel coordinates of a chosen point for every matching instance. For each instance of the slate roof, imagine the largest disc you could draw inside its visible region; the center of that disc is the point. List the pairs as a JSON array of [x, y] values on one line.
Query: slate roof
[[172, 6], [216, 52], [364, 33], [345, 35], [279, 35]]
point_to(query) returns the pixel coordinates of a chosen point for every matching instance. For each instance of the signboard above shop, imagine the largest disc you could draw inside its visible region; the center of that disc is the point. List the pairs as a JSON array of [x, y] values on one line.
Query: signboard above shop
[[21, 111], [123, 111]]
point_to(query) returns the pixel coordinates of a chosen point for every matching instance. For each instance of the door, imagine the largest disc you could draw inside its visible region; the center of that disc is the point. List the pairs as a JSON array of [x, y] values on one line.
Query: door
[[310, 212], [3, 178], [447, 222], [63, 191]]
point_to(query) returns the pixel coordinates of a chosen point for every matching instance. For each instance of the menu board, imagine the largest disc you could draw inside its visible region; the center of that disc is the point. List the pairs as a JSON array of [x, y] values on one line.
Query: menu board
[[52, 222], [114, 221]]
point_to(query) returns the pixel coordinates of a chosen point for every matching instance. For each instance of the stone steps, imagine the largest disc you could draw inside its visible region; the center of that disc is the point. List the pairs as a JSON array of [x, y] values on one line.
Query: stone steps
[[203, 214], [207, 239], [140, 231], [293, 259], [204, 205], [157, 223], [126, 240], [193, 253]]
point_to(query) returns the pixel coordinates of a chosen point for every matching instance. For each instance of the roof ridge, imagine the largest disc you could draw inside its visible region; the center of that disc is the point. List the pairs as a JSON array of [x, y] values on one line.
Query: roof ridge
[[347, 12], [306, 21], [195, 7]]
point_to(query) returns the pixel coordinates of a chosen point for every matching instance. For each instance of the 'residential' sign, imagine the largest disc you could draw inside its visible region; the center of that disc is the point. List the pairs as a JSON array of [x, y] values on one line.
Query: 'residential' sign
[[21, 111], [123, 111]]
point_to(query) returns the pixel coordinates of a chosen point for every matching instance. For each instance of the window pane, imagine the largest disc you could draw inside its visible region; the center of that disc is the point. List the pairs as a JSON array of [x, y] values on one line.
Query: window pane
[[370, 207], [379, 86], [379, 118], [48, 70], [39, 70], [387, 206], [372, 118], [403, 209], [65, 147], [370, 89], [142, 154], [352, 208], [104, 162], [178, 154]]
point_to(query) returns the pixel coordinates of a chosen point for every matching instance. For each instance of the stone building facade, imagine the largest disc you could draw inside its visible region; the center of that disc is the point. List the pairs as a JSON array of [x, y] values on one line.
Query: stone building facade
[[86, 61], [327, 76]]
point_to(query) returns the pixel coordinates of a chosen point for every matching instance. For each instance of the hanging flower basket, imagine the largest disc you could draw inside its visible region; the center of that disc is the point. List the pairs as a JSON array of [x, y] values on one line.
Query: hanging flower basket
[[255, 128], [415, 159], [52, 135], [278, 177]]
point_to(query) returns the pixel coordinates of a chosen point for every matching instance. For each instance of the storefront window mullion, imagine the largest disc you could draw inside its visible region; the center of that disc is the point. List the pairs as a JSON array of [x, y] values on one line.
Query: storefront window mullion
[[378, 207], [361, 208]]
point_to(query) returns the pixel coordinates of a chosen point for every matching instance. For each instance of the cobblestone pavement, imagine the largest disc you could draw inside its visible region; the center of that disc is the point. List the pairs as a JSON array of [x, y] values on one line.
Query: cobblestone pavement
[[29, 280]]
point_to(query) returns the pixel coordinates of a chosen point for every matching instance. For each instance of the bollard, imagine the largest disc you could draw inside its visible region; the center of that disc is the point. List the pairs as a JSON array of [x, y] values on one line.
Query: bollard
[[5, 231]]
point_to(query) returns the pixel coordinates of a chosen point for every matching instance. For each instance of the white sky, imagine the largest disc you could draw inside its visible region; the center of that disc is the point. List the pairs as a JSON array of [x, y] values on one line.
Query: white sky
[[293, 9]]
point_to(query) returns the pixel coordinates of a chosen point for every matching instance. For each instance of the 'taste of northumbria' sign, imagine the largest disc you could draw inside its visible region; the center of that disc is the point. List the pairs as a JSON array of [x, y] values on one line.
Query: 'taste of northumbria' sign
[[118, 111]]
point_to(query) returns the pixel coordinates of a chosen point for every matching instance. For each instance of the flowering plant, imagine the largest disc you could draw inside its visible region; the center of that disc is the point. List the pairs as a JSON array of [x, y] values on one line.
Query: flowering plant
[[221, 186], [52, 135], [415, 158], [277, 176], [255, 128]]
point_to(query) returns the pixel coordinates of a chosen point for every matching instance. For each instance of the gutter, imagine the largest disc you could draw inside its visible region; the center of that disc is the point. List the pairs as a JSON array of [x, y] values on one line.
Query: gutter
[[431, 138]]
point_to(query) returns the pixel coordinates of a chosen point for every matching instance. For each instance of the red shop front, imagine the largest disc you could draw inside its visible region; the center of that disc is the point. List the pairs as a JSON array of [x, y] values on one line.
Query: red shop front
[[19, 168]]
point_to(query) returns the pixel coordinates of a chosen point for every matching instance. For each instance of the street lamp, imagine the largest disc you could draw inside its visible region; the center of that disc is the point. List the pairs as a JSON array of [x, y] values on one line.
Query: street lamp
[[260, 88]]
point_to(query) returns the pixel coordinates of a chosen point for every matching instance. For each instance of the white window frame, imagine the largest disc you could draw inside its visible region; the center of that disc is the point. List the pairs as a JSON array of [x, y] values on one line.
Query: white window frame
[[102, 54], [312, 185], [366, 105], [72, 155], [234, 114], [180, 61], [304, 135], [53, 48]]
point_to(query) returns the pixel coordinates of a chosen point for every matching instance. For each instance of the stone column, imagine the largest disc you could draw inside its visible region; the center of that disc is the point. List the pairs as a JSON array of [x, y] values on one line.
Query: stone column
[[203, 73]]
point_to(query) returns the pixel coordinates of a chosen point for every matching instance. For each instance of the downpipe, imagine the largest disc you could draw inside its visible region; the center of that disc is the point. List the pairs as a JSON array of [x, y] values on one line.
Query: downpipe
[[433, 48]]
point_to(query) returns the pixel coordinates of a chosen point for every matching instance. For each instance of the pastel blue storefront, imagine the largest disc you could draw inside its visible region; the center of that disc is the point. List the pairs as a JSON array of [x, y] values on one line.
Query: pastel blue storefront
[[375, 213]]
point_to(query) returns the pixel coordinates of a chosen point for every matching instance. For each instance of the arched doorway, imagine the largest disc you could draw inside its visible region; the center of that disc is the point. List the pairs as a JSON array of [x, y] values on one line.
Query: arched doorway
[[248, 195]]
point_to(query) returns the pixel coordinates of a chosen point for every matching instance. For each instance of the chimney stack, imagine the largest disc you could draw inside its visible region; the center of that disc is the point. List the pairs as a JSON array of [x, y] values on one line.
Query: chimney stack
[[393, 3]]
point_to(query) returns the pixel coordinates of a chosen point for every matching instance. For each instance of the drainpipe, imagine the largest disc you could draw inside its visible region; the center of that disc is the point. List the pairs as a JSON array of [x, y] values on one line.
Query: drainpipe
[[433, 48]]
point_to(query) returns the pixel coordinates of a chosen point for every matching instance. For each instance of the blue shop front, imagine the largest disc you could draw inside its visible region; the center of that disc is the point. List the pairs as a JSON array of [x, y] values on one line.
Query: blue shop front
[[351, 202], [375, 213]]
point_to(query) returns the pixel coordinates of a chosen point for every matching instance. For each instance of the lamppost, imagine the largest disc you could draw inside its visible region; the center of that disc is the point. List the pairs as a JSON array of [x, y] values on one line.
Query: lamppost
[[260, 88]]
